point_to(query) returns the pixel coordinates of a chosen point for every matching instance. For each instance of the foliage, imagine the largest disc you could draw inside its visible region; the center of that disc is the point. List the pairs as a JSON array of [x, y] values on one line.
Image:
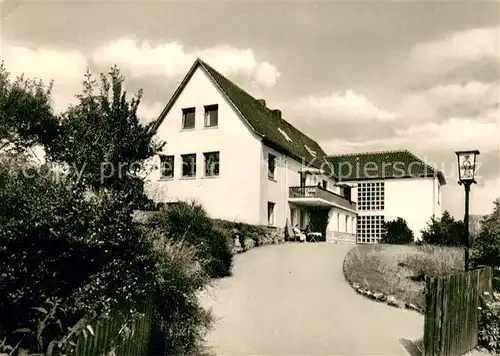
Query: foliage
[[179, 322], [189, 223], [26, 117], [102, 141], [243, 231], [486, 248], [490, 227], [397, 232], [489, 323], [57, 242], [444, 231]]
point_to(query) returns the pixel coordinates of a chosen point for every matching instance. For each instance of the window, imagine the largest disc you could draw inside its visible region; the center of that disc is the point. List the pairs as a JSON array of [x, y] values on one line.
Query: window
[[439, 194], [325, 184], [371, 196], [293, 217], [167, 166], [271, 165], [211, 115], [211, 164], [189, 165], [270, 213], [188, 118], [302, 179], [370, 228]]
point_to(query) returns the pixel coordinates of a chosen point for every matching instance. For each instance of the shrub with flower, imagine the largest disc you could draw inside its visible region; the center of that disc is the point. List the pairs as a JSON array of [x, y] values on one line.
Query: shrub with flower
[[489, 322]]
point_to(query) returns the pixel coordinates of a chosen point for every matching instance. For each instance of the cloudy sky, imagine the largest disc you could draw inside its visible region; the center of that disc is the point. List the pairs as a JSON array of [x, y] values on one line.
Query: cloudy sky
[[356, 76]]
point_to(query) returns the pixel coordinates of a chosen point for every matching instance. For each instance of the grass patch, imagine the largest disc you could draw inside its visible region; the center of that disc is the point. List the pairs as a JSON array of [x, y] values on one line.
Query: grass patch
[[399, 270]]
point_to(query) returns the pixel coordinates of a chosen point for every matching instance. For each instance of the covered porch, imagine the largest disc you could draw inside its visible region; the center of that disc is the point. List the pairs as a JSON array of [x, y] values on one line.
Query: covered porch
[[313, 209]]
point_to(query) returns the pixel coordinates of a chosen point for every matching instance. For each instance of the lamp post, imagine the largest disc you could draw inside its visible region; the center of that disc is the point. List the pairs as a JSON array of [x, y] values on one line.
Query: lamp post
[[466, 170]]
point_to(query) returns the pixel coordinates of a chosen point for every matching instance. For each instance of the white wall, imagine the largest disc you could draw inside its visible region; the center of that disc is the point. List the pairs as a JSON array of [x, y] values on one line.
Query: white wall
[[337, 223], [414, 199], [235, 194], [286, 175]]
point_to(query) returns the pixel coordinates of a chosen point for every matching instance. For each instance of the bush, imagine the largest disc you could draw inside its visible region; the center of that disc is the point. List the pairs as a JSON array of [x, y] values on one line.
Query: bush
[[243, 232], [179, 322], [489, 323], [189, 223], [445, 231], [486, 247], [57, 242], [397, 232]]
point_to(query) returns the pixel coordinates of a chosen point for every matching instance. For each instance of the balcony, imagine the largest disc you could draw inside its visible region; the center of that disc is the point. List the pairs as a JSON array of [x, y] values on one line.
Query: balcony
[[317, 196]]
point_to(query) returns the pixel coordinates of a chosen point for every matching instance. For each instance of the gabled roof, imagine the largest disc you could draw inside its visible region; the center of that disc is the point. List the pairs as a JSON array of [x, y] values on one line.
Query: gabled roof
[[382, 165], [262, 120]]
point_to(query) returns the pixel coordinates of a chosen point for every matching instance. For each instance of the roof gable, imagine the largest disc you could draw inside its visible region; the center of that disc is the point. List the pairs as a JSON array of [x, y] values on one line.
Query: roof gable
[[274, 130], [382, 165]]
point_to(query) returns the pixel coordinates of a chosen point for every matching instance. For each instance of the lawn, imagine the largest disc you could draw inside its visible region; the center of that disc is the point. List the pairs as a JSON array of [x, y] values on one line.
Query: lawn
[[398, 270]]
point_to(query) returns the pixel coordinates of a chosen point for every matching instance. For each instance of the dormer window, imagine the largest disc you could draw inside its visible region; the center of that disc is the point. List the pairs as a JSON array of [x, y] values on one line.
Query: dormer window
[[188, 118], [211, 115], [311, 152], [284, 135]]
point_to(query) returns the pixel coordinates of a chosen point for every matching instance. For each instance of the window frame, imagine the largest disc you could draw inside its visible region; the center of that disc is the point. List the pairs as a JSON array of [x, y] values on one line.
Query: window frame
[[271, 173], [185, 112], [271, 214], [205, 155], [207, 117], [165, 156], [183, 157]]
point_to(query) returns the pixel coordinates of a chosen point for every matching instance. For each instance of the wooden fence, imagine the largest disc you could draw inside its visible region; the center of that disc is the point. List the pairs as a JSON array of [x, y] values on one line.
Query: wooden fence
[[107, 336], [451, 311]]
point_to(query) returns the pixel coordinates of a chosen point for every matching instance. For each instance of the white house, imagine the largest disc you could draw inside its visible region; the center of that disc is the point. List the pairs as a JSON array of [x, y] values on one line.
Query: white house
[[244, 162], [388, 185]]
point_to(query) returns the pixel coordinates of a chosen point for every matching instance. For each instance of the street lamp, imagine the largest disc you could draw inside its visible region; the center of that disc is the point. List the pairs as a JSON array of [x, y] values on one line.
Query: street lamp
[[466, 170]]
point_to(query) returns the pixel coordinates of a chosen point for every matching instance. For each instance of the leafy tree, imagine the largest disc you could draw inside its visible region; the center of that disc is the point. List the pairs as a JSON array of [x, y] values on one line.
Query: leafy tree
[[445, 231], [486, 247], [102, 142], [26, 115], [490, 227], [397, 232]]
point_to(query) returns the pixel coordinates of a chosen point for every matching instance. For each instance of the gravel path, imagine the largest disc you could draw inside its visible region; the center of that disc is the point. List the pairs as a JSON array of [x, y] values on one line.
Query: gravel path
[[292, 299]]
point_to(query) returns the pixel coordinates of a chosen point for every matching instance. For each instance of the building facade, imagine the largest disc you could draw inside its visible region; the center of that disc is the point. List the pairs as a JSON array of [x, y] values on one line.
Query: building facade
[[244, 162], [388, 185]]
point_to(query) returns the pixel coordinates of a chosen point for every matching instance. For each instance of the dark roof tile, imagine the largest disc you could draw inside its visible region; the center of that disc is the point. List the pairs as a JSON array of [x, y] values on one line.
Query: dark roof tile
[[382, 165]]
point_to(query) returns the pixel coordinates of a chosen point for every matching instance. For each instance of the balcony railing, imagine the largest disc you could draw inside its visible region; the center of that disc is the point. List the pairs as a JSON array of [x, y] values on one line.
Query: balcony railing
[[320, 193]]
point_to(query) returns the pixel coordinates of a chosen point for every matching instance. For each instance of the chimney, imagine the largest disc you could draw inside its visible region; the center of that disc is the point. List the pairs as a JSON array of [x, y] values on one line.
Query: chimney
[[277, 112], [262, 102]]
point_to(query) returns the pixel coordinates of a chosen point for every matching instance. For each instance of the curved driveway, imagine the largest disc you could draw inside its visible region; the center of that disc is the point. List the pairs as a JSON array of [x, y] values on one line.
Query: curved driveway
[[292, 299]]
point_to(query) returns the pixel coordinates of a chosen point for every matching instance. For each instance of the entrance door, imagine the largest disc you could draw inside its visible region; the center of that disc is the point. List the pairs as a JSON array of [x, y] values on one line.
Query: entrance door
[[319, 221]]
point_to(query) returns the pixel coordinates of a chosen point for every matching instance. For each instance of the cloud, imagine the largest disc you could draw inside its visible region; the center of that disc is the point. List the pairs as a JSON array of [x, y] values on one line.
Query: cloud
[[342, 106], [450, 135], [442, 56], [148, 112], [172, 60], [481, 197], [447, 100], [65, 67]]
